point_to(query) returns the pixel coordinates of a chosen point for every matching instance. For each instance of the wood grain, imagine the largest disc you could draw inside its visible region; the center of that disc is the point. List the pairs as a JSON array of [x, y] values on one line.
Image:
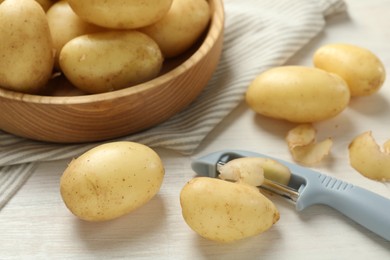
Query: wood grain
[[86, 118]]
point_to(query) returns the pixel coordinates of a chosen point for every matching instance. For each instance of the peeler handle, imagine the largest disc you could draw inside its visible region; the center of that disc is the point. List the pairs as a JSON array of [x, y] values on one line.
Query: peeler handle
[[364, 207]]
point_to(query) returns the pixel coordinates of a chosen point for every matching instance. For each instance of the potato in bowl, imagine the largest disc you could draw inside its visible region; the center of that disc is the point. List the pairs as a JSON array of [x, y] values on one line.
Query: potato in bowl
[[66, 115]]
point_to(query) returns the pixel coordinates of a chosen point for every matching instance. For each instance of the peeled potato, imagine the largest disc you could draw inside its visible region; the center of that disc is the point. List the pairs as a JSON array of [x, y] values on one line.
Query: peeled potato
[[366, 156], [111, 180], [359, 67], [224, 211], [298, 94]]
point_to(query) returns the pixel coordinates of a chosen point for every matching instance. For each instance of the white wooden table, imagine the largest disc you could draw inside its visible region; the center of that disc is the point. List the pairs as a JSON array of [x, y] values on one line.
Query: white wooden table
[[36, 224]]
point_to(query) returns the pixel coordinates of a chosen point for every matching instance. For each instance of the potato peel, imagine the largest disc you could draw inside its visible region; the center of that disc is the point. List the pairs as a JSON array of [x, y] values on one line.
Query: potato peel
[[301, 135], [303, 146], [312, 153], [367, 157], [253, 170], [386, 147]]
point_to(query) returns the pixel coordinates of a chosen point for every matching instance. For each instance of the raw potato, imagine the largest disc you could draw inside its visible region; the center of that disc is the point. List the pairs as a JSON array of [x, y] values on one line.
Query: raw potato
[[65, 25], [111, 180], [119, 14], [26, 48], [46, 4], [181, 27], [298, 94], [252, 170], [367, 158], [359, 67], [107, 61], [224, 211], [303, 146]]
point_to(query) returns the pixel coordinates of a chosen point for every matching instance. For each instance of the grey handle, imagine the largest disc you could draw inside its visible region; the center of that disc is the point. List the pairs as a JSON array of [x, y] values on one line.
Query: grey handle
[[364, 207]]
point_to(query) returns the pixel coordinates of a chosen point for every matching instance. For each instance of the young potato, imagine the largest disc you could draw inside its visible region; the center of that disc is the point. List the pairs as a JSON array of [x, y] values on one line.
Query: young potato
[[119, 14], [224, 211], [111, 180], [65, 25], [46, 4], [26, 48], [111, 60], [298, 94], [179, 29], [359, 67]]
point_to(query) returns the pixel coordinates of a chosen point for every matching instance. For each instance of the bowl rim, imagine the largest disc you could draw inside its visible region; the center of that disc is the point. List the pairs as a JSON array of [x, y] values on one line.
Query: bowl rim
[[216, 24]]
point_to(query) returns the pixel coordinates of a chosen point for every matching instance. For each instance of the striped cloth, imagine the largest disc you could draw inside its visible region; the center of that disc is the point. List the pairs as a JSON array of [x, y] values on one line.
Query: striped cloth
[[259, 34]]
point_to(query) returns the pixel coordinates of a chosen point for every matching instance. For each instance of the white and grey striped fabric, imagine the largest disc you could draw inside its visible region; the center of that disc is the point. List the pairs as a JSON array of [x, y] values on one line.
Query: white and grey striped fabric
[[259, 34]]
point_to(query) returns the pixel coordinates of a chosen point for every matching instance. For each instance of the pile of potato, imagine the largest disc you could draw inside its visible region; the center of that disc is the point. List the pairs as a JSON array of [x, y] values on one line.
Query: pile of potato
[[98, 45]]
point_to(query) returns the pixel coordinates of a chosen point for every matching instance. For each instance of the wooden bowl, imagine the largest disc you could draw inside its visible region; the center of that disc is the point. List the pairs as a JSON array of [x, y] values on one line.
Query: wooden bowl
[[67, 117]]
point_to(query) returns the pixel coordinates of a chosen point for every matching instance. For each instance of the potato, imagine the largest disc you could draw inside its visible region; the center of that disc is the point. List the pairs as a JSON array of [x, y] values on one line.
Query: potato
[[119, 14], [181, 27], [107, 61], [368, 159], [46, 4], [298, 94], [359, 67], [65, 25], [111, 180], [224, 211], [26, 48], [253, 170]]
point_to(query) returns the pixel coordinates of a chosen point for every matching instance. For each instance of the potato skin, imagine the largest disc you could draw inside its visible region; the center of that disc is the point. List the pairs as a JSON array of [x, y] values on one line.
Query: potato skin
[[26, 48], [224, 211], [298, 94], [110, 60], [359, 67], [119, 14], [111, 180], [366, 157]]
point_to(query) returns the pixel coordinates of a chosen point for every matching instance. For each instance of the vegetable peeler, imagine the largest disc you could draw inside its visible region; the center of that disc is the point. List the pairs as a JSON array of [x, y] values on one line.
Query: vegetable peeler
[[308, 187]]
